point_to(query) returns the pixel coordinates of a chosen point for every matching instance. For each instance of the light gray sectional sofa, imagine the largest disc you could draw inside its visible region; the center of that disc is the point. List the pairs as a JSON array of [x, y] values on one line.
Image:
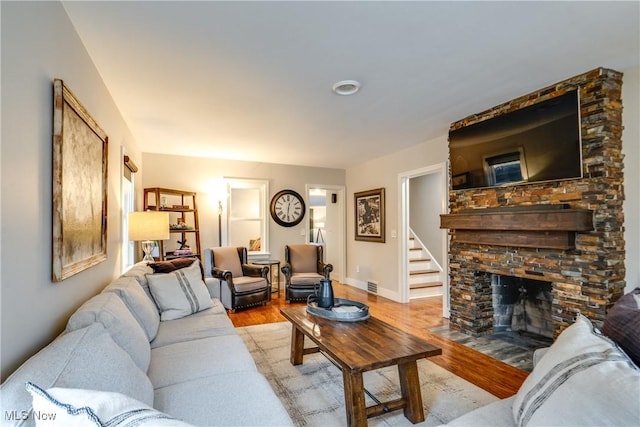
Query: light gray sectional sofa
[[128, 352]]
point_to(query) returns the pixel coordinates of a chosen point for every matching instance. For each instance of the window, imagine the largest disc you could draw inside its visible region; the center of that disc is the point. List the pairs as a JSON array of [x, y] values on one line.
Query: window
[[247, 215], [128, 205]]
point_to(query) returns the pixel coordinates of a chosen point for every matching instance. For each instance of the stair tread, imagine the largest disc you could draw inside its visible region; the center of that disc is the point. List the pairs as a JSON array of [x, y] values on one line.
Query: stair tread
[[423, 272], [420, 260], [425, 285]]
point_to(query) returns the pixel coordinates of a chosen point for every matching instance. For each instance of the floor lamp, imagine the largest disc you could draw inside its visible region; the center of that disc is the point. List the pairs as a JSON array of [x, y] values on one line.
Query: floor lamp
[[219, 193], [148, 227], [219, 222]]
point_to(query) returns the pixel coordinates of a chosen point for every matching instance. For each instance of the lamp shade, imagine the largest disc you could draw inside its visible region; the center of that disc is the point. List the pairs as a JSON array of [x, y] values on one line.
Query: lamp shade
[[148, 225]]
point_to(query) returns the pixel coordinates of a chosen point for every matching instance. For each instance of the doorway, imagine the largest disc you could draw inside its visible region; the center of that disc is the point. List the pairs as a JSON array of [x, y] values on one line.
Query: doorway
[[326, 224], [433, 178]]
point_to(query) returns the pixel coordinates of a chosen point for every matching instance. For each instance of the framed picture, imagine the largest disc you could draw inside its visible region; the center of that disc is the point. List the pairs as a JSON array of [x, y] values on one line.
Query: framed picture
[[79, 186], [369, 215]]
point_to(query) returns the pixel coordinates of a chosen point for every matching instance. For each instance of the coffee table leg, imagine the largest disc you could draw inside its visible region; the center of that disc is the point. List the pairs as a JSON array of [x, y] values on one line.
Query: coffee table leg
[[354, 399], [297, 346], [410, 387]]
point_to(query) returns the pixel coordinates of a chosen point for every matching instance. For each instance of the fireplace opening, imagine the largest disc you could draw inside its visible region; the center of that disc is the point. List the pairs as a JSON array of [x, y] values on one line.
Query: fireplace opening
[[521, 305]]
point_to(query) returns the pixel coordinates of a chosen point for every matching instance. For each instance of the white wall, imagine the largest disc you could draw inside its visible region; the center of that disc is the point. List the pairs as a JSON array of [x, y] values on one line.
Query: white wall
[[40, 44], [379, 262], [199, 174], [631, 151]]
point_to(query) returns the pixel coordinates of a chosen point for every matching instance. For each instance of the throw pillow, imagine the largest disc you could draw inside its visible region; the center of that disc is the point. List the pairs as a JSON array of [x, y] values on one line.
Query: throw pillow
[[622, 324], [583, 379], [173, 265], [179, 293], [76, 407]]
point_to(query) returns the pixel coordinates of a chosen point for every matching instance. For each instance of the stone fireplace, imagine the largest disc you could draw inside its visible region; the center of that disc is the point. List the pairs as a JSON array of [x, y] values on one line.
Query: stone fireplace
[[567, 233], [522, 305]]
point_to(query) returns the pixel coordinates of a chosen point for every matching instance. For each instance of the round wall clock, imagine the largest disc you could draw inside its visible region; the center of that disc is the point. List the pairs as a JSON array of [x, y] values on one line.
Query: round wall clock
[[287, 208]]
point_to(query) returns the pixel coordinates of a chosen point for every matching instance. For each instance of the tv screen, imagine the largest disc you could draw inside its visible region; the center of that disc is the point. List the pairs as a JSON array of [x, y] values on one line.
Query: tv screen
[[537, 143]]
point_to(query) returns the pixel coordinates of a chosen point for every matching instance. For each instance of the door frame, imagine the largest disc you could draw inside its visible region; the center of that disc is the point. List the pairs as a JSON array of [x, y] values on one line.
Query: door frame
[[340, 228], [403, 215]]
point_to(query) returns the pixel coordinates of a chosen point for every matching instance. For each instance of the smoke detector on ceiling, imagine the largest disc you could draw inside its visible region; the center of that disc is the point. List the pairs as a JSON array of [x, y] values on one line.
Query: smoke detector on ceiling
[[346, 87]]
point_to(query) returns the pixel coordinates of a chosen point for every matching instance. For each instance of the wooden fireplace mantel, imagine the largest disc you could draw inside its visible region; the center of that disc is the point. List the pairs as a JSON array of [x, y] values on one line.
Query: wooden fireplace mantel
[[552, 227]]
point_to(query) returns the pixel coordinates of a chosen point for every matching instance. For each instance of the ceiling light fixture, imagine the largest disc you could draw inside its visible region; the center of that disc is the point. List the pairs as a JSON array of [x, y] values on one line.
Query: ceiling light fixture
[[346, 87]]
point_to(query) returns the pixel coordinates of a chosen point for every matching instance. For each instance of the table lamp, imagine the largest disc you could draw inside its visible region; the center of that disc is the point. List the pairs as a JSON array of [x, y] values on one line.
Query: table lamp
[[148, 227]]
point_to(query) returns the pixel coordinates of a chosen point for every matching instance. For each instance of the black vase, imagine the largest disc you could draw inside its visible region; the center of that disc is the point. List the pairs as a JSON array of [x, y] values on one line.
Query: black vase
[[325, 298]]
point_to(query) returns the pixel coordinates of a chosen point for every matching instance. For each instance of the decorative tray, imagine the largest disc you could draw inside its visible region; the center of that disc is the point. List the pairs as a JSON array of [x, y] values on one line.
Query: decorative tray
[[343, 310]]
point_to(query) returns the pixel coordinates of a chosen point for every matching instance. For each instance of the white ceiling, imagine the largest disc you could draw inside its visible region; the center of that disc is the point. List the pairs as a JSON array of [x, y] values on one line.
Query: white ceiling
[[252, 80]]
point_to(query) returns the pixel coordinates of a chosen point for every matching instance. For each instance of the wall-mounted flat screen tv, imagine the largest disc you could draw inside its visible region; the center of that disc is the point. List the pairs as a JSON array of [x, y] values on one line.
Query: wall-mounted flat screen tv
[[537, 143]]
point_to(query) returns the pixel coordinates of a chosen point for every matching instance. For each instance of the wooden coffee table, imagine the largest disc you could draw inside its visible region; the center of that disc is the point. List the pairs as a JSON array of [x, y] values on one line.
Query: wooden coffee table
[[357, 347]]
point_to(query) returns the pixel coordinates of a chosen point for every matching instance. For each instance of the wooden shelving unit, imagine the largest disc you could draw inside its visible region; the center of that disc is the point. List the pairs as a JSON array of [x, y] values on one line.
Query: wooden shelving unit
[[183, 209]]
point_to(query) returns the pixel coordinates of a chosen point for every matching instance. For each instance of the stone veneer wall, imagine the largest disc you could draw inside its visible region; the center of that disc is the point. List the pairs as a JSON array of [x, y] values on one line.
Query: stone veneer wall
[[587, 279]]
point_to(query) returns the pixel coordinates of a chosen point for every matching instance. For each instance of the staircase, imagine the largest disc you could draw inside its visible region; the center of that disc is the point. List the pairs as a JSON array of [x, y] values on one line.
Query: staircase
[[425, 275]]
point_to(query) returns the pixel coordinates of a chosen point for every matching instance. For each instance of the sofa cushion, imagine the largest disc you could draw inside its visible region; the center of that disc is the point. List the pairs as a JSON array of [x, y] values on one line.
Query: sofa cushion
[[85, 358], [179, 293], [193, 327], [188, 360], [108, 309], [305, 278], [583, 379], [139, 272], [497, 413], [249, 283], [213, 285], [71, 407], [226, 258], [141, 306], [622, 324], [236, 399]]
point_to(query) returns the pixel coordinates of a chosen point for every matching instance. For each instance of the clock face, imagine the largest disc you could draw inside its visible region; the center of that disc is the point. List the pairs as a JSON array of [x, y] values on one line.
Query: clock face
[[287, 208]]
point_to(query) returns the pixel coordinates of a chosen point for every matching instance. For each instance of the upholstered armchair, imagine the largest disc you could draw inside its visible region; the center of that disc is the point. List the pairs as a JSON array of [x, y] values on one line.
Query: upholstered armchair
[[241, 284], [303, 269]]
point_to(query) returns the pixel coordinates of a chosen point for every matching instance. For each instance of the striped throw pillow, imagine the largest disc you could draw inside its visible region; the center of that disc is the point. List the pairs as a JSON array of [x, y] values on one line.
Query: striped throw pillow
[[584, 379], [76, 407], [179, 293]]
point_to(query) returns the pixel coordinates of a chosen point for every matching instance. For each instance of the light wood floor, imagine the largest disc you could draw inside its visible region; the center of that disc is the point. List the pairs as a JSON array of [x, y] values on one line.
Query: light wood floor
[[416, 317]]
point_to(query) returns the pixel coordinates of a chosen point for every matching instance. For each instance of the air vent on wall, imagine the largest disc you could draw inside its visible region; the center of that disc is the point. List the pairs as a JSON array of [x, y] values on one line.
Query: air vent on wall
[[372, 287]]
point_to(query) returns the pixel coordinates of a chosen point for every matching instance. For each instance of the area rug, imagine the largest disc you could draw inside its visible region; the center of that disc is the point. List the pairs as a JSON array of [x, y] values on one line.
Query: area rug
[[313, 392]]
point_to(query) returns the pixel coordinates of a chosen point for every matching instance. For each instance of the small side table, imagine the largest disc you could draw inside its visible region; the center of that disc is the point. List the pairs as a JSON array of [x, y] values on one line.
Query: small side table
[[273, 275]]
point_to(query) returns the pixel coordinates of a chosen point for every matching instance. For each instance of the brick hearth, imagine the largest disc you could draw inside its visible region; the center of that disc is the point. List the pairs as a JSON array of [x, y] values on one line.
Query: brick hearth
[[586, 279]]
